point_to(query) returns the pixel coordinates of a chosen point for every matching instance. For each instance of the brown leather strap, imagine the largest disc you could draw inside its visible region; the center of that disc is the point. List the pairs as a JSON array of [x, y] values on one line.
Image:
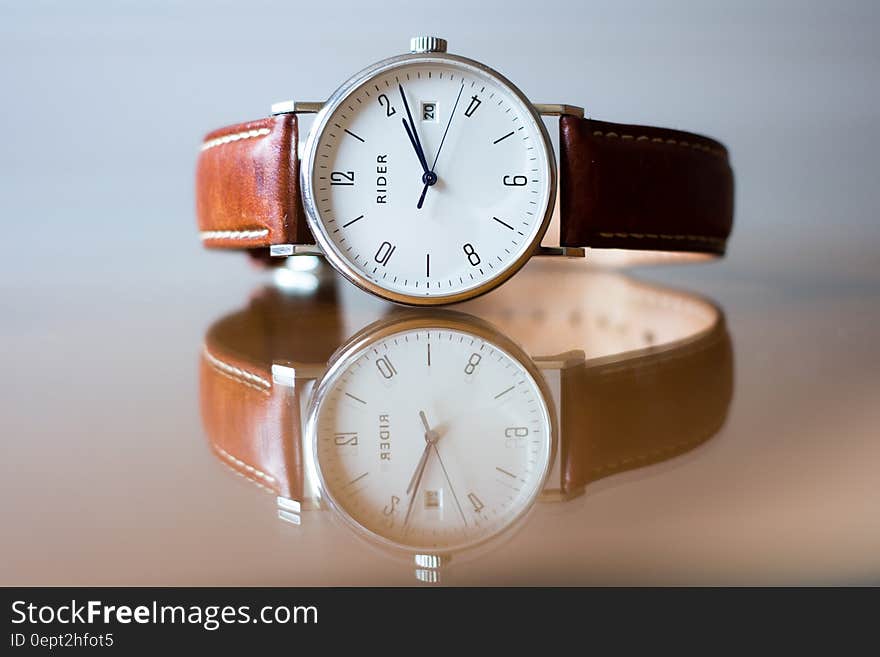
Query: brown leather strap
[[646, 371], [253, 423], [637, 187], [624, 415], [617, 412], [247, 186], [621, 186]]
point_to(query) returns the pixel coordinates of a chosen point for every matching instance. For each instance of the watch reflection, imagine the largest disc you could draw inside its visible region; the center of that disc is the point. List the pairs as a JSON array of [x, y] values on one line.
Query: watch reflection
[[433, 434]]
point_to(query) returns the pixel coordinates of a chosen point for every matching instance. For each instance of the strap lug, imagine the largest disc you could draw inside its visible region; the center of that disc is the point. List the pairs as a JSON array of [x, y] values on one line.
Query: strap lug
[[296, 107], [289, 510], [556, 109], [561, 251], [285, 250]]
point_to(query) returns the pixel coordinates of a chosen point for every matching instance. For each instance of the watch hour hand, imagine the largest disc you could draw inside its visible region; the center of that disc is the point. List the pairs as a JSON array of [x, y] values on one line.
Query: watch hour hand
[[430, 177], [422, 196]]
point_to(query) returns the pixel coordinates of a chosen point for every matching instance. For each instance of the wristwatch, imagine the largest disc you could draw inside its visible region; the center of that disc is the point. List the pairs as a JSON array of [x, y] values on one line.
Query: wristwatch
[[432, 435], [429, 178]]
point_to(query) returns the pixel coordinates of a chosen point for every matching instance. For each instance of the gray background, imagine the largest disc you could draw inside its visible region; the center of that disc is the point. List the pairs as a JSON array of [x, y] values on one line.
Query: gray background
[[105, 291], [104, 105]]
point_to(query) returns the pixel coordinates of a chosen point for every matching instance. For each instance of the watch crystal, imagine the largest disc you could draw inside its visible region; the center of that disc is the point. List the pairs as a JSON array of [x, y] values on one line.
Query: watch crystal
[[429, 180], [431, 439]]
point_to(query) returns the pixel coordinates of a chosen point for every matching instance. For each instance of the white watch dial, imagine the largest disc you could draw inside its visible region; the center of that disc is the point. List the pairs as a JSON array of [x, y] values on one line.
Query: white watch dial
[[448, 225], [431, 439]]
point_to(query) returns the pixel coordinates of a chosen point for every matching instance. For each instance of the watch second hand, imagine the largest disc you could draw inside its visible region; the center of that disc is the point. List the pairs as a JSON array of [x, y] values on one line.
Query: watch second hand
[[448, 123], [427, 182], [449, 482]]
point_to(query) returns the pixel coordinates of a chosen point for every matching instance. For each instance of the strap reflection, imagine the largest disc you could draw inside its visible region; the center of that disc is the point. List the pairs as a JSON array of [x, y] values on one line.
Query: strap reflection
[[562, 377]]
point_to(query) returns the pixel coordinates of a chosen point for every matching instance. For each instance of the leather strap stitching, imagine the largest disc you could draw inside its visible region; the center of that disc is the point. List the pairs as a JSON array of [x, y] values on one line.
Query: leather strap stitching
[[253, 234], [659, 140], [657, 360], [660, 236], [236, 136], [238, 374], [251, 469], [641, 458]]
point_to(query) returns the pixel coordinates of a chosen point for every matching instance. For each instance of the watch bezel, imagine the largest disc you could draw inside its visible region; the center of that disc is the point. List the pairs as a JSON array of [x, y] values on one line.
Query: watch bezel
[[319, 230], [446, 320]]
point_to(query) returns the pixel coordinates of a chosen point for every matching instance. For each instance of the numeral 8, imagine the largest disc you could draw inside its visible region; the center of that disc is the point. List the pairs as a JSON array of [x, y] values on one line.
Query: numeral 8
[[472, 255], [472, 363]]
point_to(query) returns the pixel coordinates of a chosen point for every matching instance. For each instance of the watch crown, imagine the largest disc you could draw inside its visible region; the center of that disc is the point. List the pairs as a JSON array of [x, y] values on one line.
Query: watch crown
[[427, 44], [428, 567]]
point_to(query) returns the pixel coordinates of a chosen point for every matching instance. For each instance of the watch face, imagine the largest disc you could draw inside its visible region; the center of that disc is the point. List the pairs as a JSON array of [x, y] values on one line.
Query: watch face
[[431, 437], [428, 179]]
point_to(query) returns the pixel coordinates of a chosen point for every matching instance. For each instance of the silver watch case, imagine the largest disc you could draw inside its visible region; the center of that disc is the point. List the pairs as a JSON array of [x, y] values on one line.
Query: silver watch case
[[308, 193]]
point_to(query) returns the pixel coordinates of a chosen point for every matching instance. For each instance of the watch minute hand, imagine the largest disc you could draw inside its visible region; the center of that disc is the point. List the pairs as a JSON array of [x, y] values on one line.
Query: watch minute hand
[[413, 487], [430, 177], [419, 468], [411, 131], [416, 147]]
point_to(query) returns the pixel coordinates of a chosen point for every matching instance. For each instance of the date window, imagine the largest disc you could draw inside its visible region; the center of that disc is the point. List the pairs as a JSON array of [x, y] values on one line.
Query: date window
[[433, 499], [429, 110]]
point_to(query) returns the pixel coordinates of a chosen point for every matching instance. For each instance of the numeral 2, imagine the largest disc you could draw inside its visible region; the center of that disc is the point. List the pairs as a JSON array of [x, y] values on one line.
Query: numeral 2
[[392, 506], [384, 102]]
